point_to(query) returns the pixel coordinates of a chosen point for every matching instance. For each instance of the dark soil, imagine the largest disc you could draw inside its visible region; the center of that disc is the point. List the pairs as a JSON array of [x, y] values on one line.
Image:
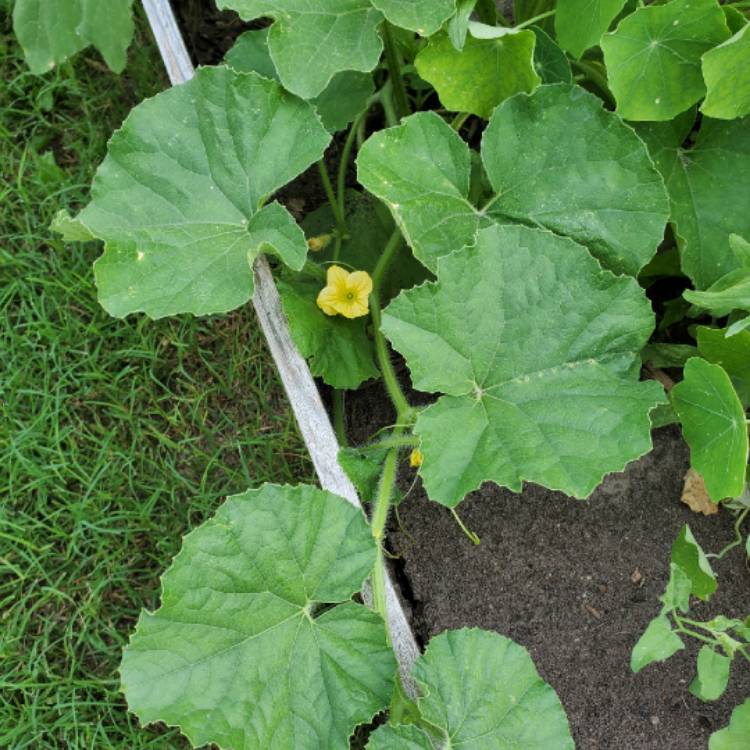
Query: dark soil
[[557, 575]]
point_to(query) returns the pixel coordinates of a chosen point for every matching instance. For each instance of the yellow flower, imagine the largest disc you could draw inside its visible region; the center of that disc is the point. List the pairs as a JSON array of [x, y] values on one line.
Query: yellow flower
[[415, 459], [345, 293]]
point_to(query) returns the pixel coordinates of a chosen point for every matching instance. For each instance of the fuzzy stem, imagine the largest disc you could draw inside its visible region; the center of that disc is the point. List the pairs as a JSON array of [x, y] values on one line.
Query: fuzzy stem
[[339, 421]]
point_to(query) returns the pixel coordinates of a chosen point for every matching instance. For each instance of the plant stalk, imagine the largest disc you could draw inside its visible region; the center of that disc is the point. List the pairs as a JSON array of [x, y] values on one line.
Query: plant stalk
[[394, 71]]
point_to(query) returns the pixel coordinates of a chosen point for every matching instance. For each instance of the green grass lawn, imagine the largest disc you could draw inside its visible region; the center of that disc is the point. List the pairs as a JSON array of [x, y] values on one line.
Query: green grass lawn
[[116, 437]]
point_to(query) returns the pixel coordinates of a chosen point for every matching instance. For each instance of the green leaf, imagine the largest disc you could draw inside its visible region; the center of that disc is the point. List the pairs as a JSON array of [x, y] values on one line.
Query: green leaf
[[690, 557], [713, 674], [481, 75], [714, 426], [249, 54], [238, 653], [399, 737], [483, 691], [458, 25], [423, 16], [736, 735], [707, 187], [730, 292], [337, 349], [600, 185], [71, 229], [179, 200], [342, 100], [364, 467], [735, 18], [657, 643], [50, 32], [564, 337], [677, 593], [726, 71], [653, 57], [421, 171], [312, 40], [550, 62], [579, 24]]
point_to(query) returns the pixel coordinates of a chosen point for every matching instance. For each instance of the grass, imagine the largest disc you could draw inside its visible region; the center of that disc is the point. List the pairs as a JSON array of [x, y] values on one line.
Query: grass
[[116, 437]]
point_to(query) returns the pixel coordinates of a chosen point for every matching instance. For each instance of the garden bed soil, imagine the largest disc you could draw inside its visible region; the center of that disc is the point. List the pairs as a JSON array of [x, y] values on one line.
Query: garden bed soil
[[576, 583]]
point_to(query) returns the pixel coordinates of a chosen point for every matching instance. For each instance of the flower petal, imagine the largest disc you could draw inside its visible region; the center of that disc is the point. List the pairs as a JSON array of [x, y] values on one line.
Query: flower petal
[[327, 300], [360, 282], [337, 276]]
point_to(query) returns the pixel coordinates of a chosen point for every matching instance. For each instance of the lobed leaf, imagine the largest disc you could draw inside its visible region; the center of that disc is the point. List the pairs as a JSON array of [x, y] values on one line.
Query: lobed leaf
[[51, 31], [714, 426], [238, 655], [482, 691], [653, 57], [730, 292], [599, 188], [482, 74], [726, 71], [312, 40], [179, 200], [547, 363]]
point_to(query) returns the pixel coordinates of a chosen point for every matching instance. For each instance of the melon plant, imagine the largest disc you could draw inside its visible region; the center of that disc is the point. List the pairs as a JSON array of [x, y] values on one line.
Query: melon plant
[[548, 213]]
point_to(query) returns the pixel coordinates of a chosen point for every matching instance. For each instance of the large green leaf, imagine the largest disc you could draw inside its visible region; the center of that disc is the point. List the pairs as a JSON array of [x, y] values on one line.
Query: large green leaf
[[342, 100], [726, 71], [708, 186], [657, 643], [579, 24], [599, 186], [736, 735], [653, 57], [423, 16], [239, 654], [483, 692], [179, 200], [713, 422], [337, 349], [481, 75], [312, 40], [50, 31], [533, 343], [733, 354]]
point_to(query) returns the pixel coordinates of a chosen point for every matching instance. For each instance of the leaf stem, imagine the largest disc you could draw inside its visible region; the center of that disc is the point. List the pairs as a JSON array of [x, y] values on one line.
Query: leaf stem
[[346, 153], [472, 536], [459, 120], [394, 71], [534, 19], [331, 196], [737, 536], [596, 76], [403, 409]]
